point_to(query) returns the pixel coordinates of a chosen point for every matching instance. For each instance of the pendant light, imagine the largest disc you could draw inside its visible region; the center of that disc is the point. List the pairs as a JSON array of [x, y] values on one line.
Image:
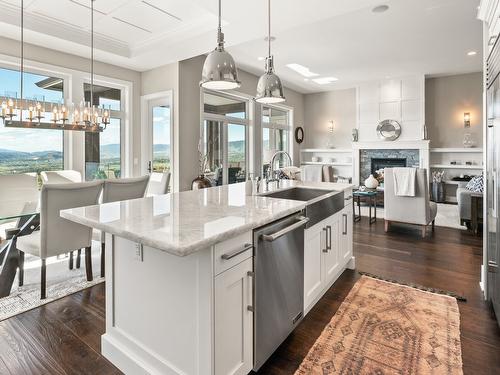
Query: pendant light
[[219, 70], [269, 88]]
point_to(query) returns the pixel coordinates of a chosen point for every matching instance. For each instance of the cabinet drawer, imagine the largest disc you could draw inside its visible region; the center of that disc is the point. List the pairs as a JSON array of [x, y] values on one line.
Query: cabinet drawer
[[233, 251], [347, 197]]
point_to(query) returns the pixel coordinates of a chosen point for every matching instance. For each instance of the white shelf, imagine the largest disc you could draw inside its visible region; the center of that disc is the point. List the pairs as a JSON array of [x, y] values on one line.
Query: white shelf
[[326, 150], [458, 150], [452, 182], [325, 163], [459, 166]]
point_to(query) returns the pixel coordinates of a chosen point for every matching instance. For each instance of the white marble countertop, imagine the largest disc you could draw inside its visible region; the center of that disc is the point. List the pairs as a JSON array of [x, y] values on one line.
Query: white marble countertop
[[183, 223]]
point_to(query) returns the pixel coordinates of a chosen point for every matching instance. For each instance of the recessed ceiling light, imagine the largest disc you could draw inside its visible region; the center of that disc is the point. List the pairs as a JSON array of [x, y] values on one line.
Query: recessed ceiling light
[[325, 80], [302, 70], [471, 53], [261, 58], [380, 9]]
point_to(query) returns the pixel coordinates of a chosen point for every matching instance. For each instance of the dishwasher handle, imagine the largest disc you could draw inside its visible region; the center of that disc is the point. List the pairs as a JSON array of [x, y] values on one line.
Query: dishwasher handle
[[272, 237]]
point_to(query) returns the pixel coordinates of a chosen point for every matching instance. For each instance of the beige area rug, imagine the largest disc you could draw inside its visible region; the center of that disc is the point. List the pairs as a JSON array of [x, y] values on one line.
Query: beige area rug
[[447, 215], [61, 282], [383, 328]]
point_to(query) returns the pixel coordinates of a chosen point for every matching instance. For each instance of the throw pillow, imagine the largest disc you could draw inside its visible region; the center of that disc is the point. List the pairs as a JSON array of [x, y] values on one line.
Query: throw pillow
[[476, 184]]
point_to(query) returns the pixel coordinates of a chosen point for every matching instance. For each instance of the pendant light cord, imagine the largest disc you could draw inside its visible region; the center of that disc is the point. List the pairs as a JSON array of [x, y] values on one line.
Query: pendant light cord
[[269, 27], [92, 53], [22, 50]]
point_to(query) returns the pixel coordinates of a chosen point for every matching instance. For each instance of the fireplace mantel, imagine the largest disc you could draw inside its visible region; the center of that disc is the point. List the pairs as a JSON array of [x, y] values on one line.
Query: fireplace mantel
[[388, 145], [421, 145]]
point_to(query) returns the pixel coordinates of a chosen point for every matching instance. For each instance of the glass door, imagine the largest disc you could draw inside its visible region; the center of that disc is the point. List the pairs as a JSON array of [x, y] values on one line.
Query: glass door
[[159, 136]]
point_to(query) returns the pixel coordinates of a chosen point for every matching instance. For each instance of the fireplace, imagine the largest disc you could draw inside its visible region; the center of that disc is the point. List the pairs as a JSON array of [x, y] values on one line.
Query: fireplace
[[381, 163]]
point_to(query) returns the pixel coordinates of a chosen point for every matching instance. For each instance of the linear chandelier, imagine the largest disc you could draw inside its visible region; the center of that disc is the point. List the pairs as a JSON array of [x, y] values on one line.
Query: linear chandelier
[[31, 113]]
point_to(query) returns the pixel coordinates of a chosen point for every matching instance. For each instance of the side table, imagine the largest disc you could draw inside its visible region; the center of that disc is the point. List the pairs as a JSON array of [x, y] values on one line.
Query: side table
[[371, 198]]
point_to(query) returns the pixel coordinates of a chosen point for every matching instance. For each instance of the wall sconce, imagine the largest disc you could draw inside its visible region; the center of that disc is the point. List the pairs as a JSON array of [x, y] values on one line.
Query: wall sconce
[[466, 119], [330, 128]]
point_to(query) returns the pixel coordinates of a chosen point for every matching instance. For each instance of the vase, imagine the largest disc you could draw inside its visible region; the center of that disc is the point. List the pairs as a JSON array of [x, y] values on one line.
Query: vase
[[371, 182], [200, 182], [438, 194]]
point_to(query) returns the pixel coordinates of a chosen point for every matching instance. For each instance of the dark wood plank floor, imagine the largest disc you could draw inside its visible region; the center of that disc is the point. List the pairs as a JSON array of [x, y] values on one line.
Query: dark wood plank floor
[[63, 337]]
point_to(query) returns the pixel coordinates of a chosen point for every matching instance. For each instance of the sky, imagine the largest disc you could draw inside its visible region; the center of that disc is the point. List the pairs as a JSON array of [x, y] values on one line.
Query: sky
[[28, 140]]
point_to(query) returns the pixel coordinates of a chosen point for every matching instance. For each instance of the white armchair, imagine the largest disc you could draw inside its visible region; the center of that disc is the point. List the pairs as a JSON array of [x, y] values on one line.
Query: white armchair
[[119, 190], [57, 235], [61, 177], [418, 210]]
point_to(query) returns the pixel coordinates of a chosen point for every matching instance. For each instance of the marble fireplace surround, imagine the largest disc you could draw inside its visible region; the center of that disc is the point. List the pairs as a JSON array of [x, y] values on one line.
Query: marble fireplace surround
[[416, 153]]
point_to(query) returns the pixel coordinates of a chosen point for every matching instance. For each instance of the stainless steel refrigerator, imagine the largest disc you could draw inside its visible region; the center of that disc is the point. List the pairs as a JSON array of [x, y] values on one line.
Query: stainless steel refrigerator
[[493, 178]]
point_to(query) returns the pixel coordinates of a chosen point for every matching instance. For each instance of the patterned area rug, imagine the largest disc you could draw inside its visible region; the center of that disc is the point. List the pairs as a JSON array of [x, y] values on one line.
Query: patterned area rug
[[60, 282], [383, 328]]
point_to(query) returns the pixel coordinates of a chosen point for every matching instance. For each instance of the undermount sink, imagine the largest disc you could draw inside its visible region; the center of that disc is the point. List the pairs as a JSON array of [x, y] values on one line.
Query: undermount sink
[[298, 194], [317, 210]]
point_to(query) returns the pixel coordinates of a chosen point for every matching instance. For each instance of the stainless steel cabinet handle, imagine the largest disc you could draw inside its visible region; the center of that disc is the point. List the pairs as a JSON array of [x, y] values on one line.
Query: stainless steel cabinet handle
[[344, 232], [329, 237], [325, 250], [272, 237], [251, 275], [237, 252], [492, 266]]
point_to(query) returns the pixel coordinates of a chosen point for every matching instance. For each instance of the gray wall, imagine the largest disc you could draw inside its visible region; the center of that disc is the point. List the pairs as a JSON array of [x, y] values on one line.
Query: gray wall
[[446, 100], [188, 108], [320, 108], [48, 56]]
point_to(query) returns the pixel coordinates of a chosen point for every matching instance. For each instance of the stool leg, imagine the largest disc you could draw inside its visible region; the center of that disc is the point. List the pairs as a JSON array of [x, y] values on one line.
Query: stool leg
[[78, 258], [88, 263], [71, 260]]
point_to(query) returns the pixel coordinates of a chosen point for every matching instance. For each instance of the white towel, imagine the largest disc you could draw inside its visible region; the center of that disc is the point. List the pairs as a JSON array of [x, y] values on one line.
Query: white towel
[[312, 173], [404, 181]]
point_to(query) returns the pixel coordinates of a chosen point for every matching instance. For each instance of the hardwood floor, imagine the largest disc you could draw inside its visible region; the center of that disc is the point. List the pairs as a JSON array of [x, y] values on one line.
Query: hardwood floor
[[63, 337]]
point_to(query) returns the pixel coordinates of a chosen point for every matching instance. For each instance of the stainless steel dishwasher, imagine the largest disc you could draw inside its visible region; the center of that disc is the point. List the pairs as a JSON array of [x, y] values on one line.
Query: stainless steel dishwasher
[[279, 283]]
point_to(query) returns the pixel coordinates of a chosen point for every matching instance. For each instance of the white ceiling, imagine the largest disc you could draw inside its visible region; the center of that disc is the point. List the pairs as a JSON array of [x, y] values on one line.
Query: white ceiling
[[340, 38]]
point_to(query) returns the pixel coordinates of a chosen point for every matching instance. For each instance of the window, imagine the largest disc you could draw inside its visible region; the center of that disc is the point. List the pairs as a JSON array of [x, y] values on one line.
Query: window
[[103, 151], [275, 134], [31, 150], [225, 137]]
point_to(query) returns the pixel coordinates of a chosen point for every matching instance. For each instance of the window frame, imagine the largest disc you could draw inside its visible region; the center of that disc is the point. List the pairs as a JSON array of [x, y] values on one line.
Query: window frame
[[226, 120], [12, 63], [123, 115], [270, 125], [74, 141]]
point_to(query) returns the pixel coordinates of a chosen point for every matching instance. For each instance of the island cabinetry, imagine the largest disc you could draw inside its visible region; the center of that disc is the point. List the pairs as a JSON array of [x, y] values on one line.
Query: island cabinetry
[[327, 252], [167, 314]]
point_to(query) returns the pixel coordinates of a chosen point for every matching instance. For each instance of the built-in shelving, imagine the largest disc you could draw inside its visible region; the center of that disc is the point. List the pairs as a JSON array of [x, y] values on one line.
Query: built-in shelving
[[456, 166], [334, 164], [457, 150], [326, 150]]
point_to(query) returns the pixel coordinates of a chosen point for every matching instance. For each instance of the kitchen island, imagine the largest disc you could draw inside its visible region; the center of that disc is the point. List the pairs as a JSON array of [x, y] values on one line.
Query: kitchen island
[[180, 268]]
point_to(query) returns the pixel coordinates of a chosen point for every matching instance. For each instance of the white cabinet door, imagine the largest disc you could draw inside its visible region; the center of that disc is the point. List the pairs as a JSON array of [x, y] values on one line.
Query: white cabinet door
[[332, 255], [346, 238], [314, 245], [233, 320]]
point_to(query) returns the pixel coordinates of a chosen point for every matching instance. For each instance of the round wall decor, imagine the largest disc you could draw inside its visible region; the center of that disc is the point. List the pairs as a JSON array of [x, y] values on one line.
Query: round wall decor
[[388, 130], [299, 135]]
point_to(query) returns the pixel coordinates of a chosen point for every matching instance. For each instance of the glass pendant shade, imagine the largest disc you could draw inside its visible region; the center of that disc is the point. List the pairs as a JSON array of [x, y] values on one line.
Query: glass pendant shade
[[269, 87]]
